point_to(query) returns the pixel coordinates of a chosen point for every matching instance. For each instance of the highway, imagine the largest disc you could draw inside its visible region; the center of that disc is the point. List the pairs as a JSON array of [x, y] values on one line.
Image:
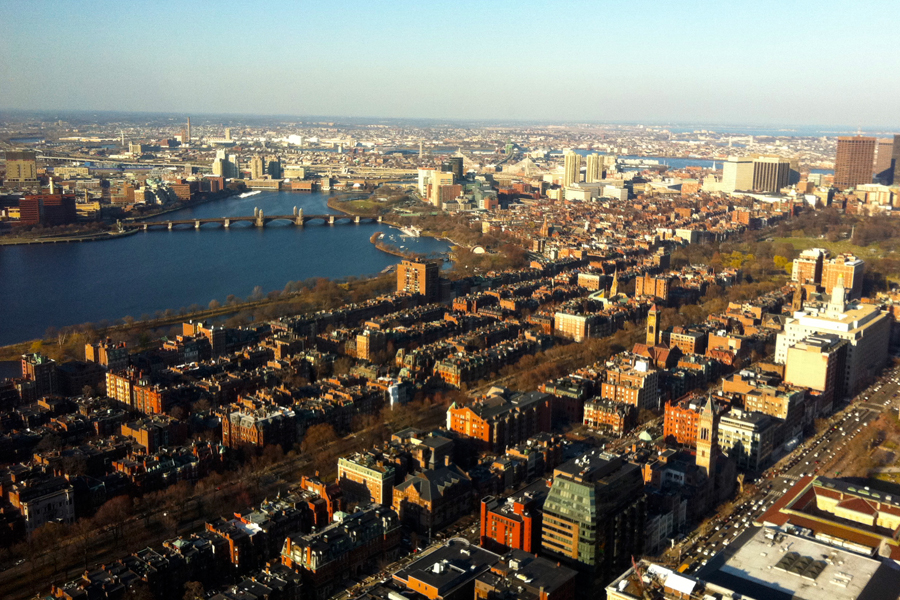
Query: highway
[[821, 454]]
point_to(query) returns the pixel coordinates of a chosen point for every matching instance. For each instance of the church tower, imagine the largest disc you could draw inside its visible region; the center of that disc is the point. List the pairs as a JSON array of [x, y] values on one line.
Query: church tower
[[653, 326], [614, 288], [707, 446], [799, 297], [838, 303]]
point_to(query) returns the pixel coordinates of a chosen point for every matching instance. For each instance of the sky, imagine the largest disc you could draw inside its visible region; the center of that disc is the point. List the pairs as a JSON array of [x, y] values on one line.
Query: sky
[[747, 62]]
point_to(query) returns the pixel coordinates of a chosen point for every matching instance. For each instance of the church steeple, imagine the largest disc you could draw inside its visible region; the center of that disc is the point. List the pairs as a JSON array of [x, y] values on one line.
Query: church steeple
[[653, 326], [707, 445], [614, 288]]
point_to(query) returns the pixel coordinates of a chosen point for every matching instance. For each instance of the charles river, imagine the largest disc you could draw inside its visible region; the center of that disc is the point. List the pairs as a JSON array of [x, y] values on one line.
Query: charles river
[[67, 284]]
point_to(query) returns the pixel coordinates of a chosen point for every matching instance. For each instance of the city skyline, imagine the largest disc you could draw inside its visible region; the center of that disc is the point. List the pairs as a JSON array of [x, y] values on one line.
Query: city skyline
[[448, 61]]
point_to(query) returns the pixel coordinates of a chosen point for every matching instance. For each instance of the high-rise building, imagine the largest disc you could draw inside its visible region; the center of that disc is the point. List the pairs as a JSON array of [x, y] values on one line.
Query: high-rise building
[[771, 173], [21, 167], [807, 268], [439, 179], [572, 168], [848, 268], [257, 169], [47, 209], [418, 277], [273, 167], [884, 154], [594, 171], [854, 161], [456, 166], [228, 134], [594, 514], [188, 132], [737, 174], [895, 160], [818, 363]]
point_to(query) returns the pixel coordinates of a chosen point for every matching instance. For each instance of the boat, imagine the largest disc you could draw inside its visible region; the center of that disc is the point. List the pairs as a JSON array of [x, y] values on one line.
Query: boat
[[411, 231], [248, 194]]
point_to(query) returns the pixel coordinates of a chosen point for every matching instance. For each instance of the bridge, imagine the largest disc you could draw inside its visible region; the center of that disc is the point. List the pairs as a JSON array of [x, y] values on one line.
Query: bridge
[[259, 219]]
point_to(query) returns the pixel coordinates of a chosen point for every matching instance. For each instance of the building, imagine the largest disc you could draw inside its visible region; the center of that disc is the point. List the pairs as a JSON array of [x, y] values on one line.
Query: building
[[650, 285], [524, 576], [884, 166], [818, 362], [571, 168], [611, 416], [807, 268], [44, 500], [771, 174], [748, 438], [257, 167], [854, 162], [438, 181], [707, 440], [864, 326], [42, 371], [631, 379], [367, 477], [737, 174], [50, 210], [448, 572], [594, 171], [576, 327], [851, 516], [895, 159], [497, 422], [259, 426], [848, 267], [681, 421], [21, 168], [353, 543], [432, 499], [514, 522], [594, 514], [419, 277], [112, 356]]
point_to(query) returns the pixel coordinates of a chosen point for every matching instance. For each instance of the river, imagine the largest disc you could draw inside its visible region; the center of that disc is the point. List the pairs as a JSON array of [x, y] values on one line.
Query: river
[[67, 284]]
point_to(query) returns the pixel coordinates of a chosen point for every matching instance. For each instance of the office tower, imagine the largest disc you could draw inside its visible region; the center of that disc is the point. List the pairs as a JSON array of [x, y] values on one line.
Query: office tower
[[770, 174], [854, 161], [737, 174], [439, 179], [456, 166], [594, 171], [257, 169], [895, 160], [418, 277], [21, 167], [425, 176], [228, 134], [845, 267], [594, 514], [572, 166], [273, 167], [884, 149], [47, 209], [188, 140]]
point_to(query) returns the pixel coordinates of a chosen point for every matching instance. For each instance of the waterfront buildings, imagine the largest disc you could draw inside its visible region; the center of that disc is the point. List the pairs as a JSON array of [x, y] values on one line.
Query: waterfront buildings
[[854, 162], [419, 277]]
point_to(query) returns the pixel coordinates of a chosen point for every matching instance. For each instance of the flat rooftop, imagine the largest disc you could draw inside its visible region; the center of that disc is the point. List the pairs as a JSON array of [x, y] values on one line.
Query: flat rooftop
[[780, 566]]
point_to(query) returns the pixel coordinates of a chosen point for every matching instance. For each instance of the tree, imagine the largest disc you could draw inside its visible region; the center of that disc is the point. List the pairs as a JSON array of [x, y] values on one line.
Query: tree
[[194, 590], [317, 438], [113, 514], [214, 304]]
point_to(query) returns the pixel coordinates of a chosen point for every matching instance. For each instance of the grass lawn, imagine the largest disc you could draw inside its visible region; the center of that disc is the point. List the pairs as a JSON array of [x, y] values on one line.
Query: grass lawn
[[839, 247]]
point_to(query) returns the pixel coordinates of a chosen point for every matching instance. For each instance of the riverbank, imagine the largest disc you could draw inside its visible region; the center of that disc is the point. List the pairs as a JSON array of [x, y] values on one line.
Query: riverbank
[[391, 249], [91, 237]]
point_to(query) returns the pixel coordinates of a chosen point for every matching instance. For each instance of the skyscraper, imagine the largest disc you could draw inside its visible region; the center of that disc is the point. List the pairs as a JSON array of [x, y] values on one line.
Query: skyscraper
[[895, 160], [257, 168], [572, 166], [884, 149], [771, 173], [21, 167], [594, 171], [188, 140], [418, 277], [854, 161], [737, 174]]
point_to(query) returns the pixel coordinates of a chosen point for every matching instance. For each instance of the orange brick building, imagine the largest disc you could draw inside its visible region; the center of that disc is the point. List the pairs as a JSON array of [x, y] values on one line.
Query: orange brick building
[[497, 422]]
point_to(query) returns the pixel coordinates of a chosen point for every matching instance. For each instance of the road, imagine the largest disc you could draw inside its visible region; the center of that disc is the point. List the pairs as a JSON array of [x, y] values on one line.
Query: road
[[821, 454]]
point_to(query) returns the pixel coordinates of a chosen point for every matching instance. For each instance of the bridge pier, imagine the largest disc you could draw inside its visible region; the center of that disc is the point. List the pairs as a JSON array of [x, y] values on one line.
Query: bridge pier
[[227, 223], [298, 217], [260, 218], [379, 218], [146, 227], [356, 219], [197, 224], [331, 220], [170, 225]]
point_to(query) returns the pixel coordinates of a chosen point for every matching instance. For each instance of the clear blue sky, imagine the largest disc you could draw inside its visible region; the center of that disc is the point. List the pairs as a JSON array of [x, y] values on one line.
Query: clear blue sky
[[750, 61]]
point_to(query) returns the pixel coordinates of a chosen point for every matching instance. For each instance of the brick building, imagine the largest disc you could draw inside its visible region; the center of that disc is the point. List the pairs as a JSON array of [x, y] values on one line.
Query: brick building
[[497, 422], [514, 522]]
